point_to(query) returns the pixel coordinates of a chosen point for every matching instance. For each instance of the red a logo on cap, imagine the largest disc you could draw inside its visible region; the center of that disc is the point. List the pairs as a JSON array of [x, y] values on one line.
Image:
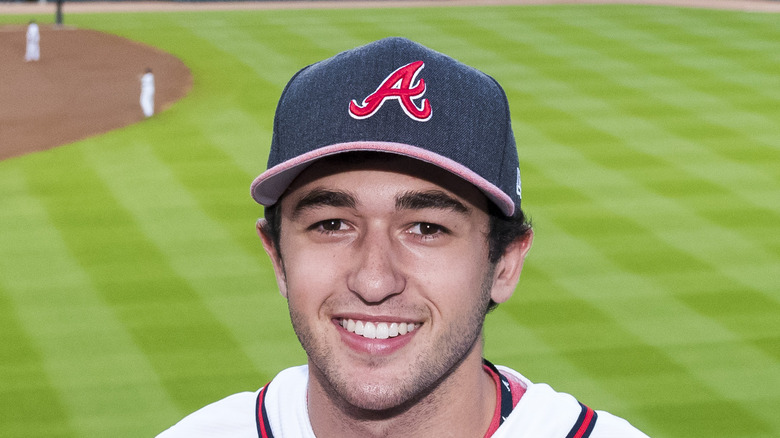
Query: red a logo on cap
[[400, 86]]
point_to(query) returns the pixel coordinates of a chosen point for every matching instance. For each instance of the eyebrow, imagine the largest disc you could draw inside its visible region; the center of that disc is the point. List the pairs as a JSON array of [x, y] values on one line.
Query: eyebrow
[[429, 199], [323, 198], [412, 200]]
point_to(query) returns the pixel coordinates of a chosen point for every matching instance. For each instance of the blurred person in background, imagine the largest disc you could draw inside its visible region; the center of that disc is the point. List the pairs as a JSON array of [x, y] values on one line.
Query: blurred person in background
[[33, 52], [147, 93]]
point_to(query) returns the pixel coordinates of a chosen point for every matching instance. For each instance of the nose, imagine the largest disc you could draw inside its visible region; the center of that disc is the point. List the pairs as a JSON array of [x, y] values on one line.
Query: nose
[[376, 275]]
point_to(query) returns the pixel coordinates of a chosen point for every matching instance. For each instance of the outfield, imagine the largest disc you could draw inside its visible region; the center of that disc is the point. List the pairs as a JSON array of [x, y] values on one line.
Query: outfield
[[133, 289]]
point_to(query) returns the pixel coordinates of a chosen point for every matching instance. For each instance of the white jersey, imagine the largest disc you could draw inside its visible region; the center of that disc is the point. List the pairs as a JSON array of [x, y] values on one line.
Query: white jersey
[[147, 83], [147, 94], [279, 410], [33, 50], [33, 33]]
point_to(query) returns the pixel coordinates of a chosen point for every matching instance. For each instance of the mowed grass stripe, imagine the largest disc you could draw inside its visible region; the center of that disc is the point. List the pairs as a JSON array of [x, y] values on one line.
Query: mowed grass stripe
[[513, 339], [233, 112], [270, 51], [568, 127], [640, 252], [592, 333], [674, 347], [618, 63], [729, 48], [202, 219], [616, 362], [738, 120], [601, 93], [644, 256], [26, 391], [741, 31], [193, 357], [237, 119], [745, 187], [103, 382], [310, 36], [611, 315], [702, 279]]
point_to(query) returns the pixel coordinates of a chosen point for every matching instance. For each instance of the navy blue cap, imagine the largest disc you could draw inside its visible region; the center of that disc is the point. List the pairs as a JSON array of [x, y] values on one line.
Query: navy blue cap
[[395, 96]]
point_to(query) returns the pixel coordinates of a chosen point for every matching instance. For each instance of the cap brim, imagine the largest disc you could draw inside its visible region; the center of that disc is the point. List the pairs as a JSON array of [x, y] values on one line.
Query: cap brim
[[271, 184]]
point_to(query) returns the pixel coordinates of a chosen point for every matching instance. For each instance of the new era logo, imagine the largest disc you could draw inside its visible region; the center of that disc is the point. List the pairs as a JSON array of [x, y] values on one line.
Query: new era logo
[[400, 86]]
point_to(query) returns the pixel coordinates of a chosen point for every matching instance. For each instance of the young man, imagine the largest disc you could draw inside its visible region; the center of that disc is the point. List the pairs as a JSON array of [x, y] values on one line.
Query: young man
[[147, 93], [33, 51], [393, 222]]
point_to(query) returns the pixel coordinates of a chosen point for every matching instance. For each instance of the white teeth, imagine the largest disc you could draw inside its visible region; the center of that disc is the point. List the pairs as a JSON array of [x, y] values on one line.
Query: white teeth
[[382, 331], [377, 330], [369, 331]]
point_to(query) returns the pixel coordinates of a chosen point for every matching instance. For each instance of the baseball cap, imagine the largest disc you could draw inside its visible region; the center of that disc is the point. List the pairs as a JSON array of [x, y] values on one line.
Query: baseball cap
[[399, 97]]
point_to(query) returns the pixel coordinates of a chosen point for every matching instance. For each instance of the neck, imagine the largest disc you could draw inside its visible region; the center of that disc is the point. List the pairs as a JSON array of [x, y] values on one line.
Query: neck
[[461, 404]]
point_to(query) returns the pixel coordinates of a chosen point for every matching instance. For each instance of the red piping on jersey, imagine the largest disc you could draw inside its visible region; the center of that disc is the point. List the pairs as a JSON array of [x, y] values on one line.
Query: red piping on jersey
[[584, 424], [263, 428], [516, 388]]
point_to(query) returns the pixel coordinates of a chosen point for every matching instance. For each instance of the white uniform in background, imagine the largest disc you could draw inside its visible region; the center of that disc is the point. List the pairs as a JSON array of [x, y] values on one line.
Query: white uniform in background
[[281, 412], [147, 93], [33, 52]]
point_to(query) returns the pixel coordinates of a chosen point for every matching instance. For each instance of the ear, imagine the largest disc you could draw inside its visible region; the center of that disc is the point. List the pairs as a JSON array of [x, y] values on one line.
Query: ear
[[508, 268], [273, 254]]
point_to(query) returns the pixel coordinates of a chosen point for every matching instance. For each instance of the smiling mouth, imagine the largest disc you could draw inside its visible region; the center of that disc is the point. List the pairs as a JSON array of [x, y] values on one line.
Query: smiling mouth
[[377, 330]]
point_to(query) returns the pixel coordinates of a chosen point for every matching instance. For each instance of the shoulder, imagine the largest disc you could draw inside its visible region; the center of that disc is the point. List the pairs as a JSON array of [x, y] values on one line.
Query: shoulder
[[236, 416], [232, 416], [544, 412], [610, 426]]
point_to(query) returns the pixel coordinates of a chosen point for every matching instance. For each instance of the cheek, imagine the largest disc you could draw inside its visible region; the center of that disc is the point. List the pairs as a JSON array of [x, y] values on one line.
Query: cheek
[[455, 276], [310, 272]]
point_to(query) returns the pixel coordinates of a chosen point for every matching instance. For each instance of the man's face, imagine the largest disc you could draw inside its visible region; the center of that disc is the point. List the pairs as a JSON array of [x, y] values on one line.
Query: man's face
[[386, 275]]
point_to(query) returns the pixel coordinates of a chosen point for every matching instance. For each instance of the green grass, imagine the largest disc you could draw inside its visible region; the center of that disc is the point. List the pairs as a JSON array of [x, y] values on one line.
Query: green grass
[[133, 289]]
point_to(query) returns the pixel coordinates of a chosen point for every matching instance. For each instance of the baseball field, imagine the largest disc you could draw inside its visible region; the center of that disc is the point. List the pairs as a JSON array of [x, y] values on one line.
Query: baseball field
[[133, 289]]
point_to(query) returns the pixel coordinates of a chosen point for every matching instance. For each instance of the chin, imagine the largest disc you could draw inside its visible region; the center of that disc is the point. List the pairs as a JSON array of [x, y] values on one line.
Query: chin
[[377, 400], [391, 397]]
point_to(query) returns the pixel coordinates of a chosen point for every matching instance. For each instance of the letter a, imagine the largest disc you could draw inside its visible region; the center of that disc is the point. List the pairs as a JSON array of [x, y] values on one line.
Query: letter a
[[400, 86]]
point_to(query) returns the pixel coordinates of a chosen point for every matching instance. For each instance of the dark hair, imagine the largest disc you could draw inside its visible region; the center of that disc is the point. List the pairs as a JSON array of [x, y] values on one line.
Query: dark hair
[[504, 230], [273, 223]]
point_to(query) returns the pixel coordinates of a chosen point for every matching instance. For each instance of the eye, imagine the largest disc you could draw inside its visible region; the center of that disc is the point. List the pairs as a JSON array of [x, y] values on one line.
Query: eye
[[329, 226], [427, 229]]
